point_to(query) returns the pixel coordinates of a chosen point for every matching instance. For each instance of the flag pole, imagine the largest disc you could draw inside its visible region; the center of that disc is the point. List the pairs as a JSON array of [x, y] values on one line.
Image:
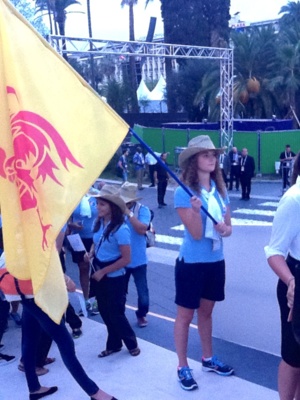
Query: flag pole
[[171, 173]]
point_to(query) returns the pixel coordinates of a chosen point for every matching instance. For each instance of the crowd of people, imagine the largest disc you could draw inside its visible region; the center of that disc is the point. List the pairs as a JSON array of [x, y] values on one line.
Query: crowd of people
[[112, 224]]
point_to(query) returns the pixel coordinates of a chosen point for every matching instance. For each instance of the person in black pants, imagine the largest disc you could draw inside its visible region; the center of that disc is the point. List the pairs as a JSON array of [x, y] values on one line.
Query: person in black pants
[[247, 168], [225, 165], [286, 158], [4, 311], [234, 157], [161, 177]]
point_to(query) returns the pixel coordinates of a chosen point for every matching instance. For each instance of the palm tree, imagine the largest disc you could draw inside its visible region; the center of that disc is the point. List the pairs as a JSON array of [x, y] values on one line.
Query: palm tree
[[132, 77], [289, 55], [130, 4], [291, 15], [88, 7], [58, 9], [287, 82], [254, 66]]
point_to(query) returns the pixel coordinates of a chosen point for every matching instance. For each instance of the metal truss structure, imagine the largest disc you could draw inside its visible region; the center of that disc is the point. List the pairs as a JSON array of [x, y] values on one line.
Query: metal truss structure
[[81, 47]]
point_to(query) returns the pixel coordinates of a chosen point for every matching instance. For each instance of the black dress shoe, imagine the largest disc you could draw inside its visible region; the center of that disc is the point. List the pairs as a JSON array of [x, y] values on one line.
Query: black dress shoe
[[36, 396], [152, 185], [113, 398], [164, 204]]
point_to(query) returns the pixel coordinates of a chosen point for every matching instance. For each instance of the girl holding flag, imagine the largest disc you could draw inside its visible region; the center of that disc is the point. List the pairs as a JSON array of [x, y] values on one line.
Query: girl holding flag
[[200, 267]]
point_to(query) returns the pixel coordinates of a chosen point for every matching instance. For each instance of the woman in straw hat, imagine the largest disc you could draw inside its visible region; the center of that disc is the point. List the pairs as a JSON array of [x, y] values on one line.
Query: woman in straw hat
[[111, 253], [200, 267]]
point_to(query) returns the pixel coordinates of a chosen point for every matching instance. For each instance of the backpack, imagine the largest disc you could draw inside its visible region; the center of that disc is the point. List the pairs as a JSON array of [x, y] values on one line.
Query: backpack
[[150, 233]]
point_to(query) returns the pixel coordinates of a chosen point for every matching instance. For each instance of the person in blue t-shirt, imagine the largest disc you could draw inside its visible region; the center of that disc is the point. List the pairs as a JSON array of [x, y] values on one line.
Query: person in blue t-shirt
[[200, 267], [137, 217], [81, 222], [139, 166], [111, 254], [123, 164]]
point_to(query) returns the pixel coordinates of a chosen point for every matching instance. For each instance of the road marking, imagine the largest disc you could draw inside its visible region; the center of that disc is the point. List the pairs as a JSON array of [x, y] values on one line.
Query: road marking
[[159, 316], [270, 204], [178, 227], [234, 221], [267, 213], [249, 222], [168, 239]]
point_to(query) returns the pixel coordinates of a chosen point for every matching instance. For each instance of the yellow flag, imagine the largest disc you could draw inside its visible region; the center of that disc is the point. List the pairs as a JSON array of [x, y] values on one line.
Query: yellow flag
[[57, 135]]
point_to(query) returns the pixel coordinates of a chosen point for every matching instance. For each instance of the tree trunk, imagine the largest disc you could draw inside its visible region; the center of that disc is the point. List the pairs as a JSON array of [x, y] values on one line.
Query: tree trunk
[[49, 16], [92, 64], [60, 17], [131, 23], [132, 66]]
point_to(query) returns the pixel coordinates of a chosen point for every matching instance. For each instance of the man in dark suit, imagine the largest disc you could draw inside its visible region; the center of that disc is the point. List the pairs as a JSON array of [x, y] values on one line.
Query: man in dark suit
[[286, 158], [247, 168], [234, 158], [225, 165]]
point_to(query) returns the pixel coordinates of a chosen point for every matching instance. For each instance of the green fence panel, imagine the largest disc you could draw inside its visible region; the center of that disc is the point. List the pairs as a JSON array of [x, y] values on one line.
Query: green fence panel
[[139, 130], [151, 136], [273, 143], [265, 147], [164, 139]]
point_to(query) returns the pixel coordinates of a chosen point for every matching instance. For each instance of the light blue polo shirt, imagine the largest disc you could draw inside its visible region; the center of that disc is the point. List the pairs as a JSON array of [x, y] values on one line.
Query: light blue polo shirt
[[109, 249], [138, 242], [87, 231], [195, 251]]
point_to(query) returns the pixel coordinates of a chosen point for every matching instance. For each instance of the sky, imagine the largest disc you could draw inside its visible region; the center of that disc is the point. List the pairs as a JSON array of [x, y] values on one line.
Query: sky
[[110, 21]]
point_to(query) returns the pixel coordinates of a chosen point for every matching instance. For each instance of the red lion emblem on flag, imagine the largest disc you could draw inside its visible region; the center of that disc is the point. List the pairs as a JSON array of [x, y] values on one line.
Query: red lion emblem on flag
[[33, 138]]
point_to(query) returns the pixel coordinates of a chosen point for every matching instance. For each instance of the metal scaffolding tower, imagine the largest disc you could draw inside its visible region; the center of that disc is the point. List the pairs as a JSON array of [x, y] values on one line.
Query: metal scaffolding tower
[[81, 47]]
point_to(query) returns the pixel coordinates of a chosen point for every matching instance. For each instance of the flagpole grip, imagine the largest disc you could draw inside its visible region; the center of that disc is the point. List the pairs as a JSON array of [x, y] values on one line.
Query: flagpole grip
[[171, 173]]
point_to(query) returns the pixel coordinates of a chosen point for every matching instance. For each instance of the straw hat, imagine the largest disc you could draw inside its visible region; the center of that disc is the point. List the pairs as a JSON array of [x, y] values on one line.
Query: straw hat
[[128, 192], [197, 145], [110, 193]]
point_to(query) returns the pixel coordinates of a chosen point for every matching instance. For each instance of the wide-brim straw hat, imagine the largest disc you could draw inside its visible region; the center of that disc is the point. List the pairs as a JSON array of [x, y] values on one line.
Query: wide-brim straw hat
[[128, 192], [110, 193], [197, 145]]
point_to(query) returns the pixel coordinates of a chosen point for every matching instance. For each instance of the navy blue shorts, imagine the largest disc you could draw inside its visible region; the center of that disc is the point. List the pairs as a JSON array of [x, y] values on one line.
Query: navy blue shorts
[[290, 349], [196, 281]]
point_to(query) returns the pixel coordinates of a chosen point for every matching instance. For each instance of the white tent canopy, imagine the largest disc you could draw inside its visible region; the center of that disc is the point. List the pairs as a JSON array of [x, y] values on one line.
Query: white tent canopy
[[158, 93], [152, 102], [143, 93]]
